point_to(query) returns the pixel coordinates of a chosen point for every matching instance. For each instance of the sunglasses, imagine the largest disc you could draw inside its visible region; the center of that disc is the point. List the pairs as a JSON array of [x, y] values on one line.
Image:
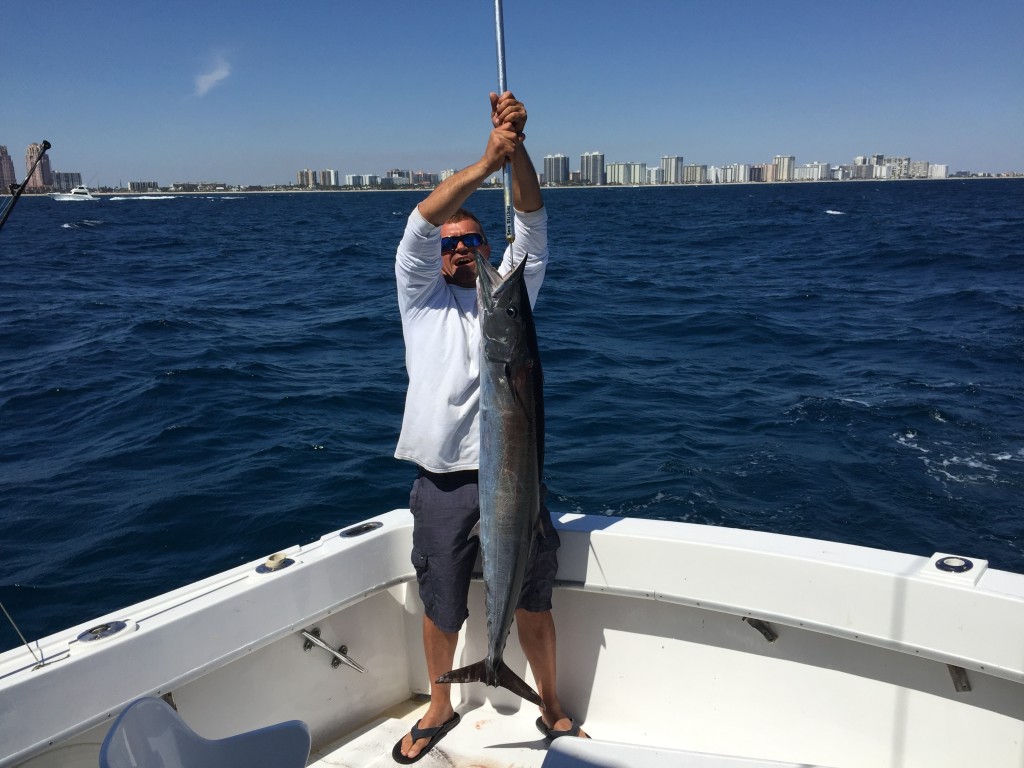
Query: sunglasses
[[470, 240]]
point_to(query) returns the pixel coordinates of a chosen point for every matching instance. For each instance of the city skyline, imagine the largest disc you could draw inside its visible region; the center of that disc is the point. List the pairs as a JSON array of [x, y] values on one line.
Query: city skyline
[[555, 169], [242, 91]]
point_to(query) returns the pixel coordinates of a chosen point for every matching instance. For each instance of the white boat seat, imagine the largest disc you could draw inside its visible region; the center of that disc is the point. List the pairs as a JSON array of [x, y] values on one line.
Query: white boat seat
[[150, 734], [567, 752]]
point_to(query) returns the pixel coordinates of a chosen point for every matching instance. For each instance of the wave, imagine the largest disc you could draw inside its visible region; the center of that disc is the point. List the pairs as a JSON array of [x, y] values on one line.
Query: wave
[[83, 223]]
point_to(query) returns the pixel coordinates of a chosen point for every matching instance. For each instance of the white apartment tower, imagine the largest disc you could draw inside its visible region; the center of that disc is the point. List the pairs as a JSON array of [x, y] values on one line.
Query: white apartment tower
[[556, 169], [626, 173], [785, 165], [672, 169], [592, 168], [695, 174]]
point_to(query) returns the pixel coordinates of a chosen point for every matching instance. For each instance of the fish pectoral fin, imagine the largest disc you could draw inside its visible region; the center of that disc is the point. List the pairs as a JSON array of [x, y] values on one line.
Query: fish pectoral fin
[[503, 677], [475, 533]]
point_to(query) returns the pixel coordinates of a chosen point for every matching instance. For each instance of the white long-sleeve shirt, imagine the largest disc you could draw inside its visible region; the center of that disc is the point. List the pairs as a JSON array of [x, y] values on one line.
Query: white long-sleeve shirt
[[441, 425]]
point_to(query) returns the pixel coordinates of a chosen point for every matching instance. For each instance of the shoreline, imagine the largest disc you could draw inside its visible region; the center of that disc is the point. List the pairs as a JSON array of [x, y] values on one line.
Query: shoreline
[[427, 190]]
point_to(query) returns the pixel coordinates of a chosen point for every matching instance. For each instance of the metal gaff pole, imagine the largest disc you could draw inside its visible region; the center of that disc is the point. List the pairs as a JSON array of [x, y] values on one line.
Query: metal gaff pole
[[506, 171]]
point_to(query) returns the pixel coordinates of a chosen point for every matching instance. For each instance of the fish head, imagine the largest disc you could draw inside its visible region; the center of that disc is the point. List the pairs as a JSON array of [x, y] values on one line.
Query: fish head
[[504, 307]]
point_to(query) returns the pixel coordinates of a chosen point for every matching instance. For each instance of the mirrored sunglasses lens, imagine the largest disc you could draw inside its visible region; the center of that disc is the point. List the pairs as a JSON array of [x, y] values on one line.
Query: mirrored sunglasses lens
[[471, 240]]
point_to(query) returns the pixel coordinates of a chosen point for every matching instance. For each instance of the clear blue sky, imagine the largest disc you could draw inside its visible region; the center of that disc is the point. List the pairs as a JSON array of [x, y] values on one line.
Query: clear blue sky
[[250, 92]]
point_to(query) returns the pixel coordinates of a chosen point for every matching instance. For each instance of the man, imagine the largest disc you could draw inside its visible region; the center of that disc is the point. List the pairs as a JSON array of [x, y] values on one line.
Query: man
[[436, 275]]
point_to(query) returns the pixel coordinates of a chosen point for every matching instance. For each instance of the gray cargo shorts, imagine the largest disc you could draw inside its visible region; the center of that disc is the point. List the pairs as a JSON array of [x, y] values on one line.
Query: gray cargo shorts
[[445, 508]]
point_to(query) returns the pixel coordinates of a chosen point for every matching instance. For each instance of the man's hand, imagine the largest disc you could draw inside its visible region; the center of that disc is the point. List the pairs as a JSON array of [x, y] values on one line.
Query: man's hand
[[505, 144], [501, 145], [506, 109]]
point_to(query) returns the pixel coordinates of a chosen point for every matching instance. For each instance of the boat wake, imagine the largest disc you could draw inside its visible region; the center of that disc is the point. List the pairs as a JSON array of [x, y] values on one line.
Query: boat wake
[[145, 197], [830, 212]]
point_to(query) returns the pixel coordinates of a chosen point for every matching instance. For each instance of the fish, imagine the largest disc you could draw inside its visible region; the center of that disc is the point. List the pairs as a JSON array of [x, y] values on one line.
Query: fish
[[511, 458]]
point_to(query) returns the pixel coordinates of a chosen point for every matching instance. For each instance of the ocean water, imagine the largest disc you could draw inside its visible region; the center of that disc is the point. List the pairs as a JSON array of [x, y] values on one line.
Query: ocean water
[[188, 383]]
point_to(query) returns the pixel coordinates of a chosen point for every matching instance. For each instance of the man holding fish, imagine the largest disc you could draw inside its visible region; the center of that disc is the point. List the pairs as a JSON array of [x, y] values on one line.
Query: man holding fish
[[474, 428]]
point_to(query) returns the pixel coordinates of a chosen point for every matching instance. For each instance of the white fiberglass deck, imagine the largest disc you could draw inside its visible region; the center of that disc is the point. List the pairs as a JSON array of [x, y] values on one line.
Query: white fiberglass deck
[[487, 738]]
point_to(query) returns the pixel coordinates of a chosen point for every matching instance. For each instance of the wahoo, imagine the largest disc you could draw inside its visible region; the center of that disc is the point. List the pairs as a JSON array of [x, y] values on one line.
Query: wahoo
[[511, 457]]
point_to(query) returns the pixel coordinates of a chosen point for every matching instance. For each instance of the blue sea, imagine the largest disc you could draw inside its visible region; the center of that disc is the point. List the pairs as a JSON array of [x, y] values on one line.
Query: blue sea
[[189, 383]]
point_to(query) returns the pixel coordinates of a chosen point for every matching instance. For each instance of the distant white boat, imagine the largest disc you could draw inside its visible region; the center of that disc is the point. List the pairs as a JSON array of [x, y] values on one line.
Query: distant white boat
[[77, 193]]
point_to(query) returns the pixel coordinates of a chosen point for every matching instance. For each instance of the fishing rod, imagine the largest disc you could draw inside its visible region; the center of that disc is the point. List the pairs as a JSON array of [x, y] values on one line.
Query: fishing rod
[[506, 170], [17, 189]]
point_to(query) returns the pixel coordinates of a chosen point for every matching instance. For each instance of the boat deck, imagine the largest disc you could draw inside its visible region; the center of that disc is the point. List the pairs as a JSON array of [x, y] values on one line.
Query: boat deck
[[485, 738]]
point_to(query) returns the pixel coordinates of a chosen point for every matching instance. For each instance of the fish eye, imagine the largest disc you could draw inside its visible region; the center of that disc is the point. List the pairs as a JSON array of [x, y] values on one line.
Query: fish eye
[[512, 312]]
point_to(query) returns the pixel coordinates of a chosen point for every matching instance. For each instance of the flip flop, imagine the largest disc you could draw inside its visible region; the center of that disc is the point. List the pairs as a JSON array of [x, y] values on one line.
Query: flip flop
[[551, 733], [434, 734]]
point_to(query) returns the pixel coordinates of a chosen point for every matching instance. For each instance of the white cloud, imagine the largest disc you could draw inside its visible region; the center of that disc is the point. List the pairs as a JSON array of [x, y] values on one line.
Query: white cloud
[[221, 70]]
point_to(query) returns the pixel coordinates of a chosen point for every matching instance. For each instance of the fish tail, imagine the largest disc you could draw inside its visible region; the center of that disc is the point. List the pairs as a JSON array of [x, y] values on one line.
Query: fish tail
[[474, 673], [509, 679], [502, 676]]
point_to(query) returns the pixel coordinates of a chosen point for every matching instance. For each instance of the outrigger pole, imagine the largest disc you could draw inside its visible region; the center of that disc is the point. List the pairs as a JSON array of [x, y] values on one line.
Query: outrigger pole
[[17, 189], [506, 171]]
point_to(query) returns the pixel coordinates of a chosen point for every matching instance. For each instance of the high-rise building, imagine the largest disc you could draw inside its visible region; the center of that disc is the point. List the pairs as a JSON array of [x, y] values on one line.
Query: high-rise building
[[617, 173], [6, 171], [900, 167], [65, 181], [919, 169], [42, 177], [695, 174], [363, 180], [626, 173], [306, 178], [592, 167], [556, 169], [401, 177], [672, 169], [813, 172], [785, 165], [329, 178]]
